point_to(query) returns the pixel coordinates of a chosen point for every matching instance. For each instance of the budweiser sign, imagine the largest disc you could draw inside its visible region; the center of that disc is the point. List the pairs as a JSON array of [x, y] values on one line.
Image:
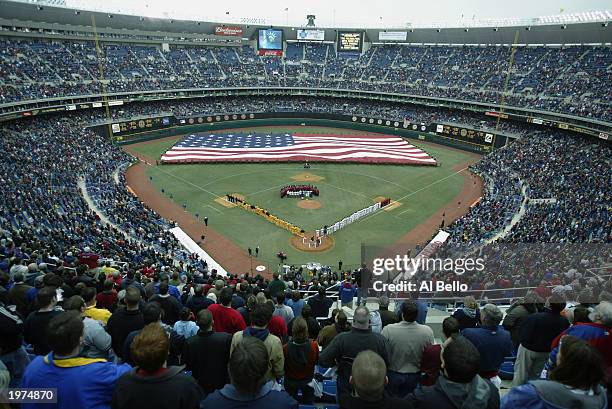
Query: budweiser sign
[[234, 31]]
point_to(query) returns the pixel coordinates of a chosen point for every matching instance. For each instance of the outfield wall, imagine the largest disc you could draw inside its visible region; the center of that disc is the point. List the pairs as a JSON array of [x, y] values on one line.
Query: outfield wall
[[144, 129]]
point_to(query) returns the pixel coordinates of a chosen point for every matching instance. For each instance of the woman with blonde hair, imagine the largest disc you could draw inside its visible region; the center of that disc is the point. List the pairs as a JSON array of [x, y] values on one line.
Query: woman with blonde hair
[[469, 315]]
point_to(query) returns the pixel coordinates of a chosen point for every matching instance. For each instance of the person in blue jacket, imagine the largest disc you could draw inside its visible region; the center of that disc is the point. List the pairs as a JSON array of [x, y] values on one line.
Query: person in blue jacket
[[84, 383], [574, 383]]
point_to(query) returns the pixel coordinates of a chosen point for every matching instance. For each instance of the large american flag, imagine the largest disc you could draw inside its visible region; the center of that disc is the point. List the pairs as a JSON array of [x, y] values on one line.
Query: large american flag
[[295, 147]]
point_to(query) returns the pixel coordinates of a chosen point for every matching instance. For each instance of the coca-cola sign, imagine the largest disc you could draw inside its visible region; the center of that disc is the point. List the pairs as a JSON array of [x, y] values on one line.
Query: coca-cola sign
[[234, 31]]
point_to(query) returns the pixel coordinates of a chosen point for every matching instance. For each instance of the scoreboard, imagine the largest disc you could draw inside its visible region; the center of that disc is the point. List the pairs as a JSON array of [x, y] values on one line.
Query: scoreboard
[[120, 129], [465, 134], [350, 41]]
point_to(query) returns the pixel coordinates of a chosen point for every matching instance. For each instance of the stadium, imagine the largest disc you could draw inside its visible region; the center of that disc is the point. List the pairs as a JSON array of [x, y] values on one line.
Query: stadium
[[320, 206]]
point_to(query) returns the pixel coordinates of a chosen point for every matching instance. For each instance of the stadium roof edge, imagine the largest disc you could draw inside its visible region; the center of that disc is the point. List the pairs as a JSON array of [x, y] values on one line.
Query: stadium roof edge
[[576, 33]]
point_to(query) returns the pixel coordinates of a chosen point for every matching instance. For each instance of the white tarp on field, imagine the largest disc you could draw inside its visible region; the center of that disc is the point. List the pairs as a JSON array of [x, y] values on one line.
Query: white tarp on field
[[192, 247]]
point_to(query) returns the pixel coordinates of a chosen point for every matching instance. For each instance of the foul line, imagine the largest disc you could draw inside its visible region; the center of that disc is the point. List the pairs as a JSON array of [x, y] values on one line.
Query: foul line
[[188, 182], [431, 184]]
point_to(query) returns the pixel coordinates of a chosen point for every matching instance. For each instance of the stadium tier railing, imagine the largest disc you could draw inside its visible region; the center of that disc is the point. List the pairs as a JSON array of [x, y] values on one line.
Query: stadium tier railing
[[14, 110]]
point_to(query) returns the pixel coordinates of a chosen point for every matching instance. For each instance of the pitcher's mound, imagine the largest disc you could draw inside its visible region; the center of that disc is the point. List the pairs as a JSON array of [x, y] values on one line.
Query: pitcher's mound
[[302, 244], [309, 204]]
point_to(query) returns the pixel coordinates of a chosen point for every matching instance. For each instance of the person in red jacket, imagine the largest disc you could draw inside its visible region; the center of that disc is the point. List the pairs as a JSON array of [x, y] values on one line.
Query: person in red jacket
[[225, 317], [301, 356], [596, 333], [89, 258], [430, 360]]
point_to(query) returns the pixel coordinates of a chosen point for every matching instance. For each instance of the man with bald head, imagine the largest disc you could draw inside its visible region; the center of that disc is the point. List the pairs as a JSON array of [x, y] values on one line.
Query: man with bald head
[[207, 354], [345, 347], [368, 379]]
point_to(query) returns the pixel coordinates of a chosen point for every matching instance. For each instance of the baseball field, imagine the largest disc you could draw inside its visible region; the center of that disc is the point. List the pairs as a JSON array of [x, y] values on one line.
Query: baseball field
[[421, 197]]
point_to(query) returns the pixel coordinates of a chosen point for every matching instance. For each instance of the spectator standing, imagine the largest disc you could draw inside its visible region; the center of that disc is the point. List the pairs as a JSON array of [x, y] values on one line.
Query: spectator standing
[[226, 318], [198, 301], [107, 299], [430, 361], [537, 334], [125, 320], [97, 342], [492, 341], [207, 354], [313, 324], [387, 317], [347, 293], [12, 352], [151, 313], [282, 310], [406, 342], [320, 304], [597, 333], [80, 382], [35, 326], [18, 295], [185, 327], [574, 383], [276, 286], [296, 303], [91, 310], [327, 333], [151, 384], [249, 388], [517, 312], [469, 315], [459, 385], [345, 346], [169, 304], [301, 355], [89, 258], [368, 379], [260, 318]]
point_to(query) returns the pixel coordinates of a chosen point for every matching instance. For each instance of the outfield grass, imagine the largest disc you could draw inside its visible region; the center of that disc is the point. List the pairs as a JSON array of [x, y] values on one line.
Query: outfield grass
[[344, 189]]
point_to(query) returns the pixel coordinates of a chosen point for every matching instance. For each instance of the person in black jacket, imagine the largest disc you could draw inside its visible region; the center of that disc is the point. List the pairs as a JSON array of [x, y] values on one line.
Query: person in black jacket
[[459, 385], [125, 320], [469, 315], [35, 326], [345, 346], [151, 385], [170, 305], [207, 354], [537, 333], [368, 379], [198, 301], [320, 304]]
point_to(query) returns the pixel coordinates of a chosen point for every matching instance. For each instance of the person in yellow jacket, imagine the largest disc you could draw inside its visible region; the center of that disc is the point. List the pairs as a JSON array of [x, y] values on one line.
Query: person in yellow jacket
[[100, 314], [260, 317]]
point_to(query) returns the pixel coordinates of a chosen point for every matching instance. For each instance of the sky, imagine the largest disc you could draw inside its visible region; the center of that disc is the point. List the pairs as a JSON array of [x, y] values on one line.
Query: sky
[[343, 13]]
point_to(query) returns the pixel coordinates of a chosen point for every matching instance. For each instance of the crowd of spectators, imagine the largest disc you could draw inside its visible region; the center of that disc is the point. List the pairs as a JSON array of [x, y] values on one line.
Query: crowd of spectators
[[145, 337], [557, 167], [566, 180], [570, 79]]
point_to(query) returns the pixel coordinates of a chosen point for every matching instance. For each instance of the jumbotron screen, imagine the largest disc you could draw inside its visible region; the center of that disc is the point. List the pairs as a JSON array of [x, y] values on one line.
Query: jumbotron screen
[[350, 41], [270, 39]]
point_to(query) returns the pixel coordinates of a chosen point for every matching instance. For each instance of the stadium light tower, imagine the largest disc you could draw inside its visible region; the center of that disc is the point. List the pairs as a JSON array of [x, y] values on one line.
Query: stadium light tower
[[311, 20]]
